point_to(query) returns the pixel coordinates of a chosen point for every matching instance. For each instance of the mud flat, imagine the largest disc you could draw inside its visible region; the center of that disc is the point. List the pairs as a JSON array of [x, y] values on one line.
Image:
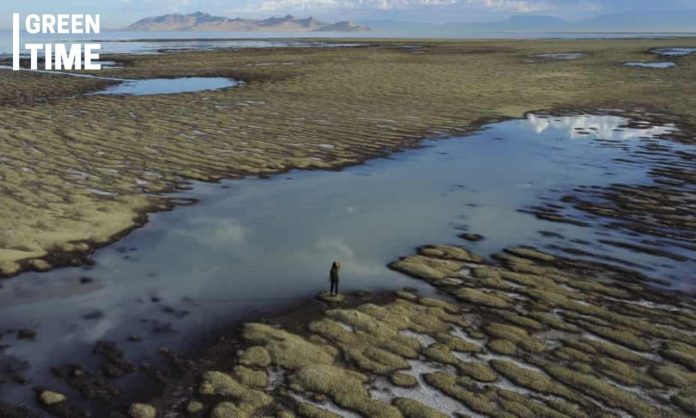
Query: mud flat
[[73, 186]]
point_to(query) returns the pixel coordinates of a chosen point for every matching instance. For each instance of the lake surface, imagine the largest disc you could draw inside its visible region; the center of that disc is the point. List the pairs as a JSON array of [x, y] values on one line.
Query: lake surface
[[675, 52], [255, 245], [167, 86], [659, 65], [139, 42]]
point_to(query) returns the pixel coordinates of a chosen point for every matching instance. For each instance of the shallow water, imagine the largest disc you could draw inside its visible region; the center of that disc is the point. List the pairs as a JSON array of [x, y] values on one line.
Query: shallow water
[[256, 245], [149, 42], [661, 64], [562, 56], [674, 52], [167, 86]]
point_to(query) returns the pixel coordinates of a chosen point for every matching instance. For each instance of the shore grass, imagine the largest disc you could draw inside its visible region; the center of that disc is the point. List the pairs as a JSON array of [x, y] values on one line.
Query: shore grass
[[79, 171]]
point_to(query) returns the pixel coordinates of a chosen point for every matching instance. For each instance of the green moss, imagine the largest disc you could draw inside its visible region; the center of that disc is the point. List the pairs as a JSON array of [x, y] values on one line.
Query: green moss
[[430, 269], [515, 334], [673, 375], [255, 356], [616, 351], [228, 410], [141, 410], [449, 252], [624, 373], [457, 344], [478, 371], [530, 253], [344, 387], [310, 411], [531, 379], [478, 297], [686, 400], [681, 353], [599, 389], [523, 406], [49, 398], [442, 354], [414, 409], [571, 354], [404, 380], [522, 321], [194, 407], [447, 384], [249, 377], [620, 336], [285, 349], [220, 384], [554, 322], [501, 346]]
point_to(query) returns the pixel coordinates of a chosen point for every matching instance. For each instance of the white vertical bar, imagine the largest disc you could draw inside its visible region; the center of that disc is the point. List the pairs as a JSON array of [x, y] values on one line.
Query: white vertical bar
[[15, 41]]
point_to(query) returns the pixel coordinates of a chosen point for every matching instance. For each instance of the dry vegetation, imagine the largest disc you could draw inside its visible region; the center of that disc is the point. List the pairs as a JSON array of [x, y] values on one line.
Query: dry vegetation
[[78, 171]]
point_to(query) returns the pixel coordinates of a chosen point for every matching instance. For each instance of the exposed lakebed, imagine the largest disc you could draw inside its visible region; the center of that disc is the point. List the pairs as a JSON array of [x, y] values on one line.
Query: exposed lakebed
[[255, 245]]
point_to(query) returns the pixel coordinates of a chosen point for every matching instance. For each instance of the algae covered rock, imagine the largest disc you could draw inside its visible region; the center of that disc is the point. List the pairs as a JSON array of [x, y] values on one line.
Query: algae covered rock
[[286, 349], [479, 297], [501, 346], [194, 407], [413, 409], [142, 410], [431, 269], [250, 377], [329, 298], [404, 380], [220, 384], [515, 334], [50, 398], [255, 356], [310, 411], [686, 400], [345, 387]]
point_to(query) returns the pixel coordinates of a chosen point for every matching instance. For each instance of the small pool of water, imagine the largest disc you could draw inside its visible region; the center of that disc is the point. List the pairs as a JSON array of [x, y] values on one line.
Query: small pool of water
[[661, 64], [561, 56], [167, 86], [674, 52], [255, 245]]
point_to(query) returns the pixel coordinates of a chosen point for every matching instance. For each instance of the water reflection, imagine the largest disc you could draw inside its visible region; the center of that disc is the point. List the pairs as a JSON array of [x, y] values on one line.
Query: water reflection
[[661, 65], [674, 52], [167, 86]]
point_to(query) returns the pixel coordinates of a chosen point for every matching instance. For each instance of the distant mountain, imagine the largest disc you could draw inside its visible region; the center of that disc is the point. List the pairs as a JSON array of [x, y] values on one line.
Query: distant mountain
[[205, 22]]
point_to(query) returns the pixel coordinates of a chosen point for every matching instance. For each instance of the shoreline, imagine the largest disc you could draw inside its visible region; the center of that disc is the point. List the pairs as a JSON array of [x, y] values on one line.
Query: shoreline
[[168, 201]]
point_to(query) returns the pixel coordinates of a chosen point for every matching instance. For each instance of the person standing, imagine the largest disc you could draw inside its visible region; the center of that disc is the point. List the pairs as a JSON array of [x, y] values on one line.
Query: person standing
[[333, 278]]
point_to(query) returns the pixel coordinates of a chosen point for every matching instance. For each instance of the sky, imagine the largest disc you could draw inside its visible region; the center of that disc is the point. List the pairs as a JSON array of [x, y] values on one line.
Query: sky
[[120, 13]]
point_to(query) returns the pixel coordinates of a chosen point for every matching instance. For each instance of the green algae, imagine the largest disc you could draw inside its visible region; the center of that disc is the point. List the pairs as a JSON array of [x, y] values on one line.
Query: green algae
[[414, 409], [404, 380], [344, 387]]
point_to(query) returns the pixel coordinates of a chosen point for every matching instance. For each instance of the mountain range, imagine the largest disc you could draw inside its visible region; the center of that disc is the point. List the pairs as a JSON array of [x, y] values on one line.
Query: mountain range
[[205, 22]]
